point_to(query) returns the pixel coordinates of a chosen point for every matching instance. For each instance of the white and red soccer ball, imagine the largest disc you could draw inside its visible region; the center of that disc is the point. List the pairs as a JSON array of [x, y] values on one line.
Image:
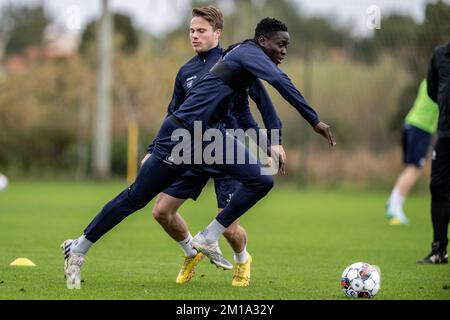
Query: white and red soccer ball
[[360, 280]]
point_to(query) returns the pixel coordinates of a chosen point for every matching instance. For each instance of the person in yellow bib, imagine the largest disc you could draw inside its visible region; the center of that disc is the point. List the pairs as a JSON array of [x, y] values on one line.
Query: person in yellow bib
[[420, 124]]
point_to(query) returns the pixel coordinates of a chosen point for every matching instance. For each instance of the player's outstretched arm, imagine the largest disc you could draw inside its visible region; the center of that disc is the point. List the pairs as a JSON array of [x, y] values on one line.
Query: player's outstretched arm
[[324, 130]]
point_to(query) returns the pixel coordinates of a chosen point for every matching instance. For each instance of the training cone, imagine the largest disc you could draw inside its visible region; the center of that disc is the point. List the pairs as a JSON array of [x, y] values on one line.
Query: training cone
[[22, 262]]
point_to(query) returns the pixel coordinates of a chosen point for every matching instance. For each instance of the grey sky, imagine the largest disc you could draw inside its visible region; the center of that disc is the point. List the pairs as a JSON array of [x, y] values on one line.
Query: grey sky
[[159, 16]]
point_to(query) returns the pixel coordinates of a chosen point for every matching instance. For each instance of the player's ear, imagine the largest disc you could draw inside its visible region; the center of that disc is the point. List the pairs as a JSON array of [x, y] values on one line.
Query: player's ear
[[262, 40], [218, 33]]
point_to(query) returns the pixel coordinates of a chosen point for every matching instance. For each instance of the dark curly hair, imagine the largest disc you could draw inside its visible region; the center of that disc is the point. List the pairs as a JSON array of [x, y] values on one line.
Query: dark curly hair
[[267, 26]]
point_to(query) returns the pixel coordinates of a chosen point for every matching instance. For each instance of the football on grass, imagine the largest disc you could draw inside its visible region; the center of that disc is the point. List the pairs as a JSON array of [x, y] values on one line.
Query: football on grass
[[360, 280]]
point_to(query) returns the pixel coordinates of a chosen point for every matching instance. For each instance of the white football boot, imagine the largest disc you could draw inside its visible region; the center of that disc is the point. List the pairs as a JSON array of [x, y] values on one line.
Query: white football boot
[[72, 265], [212, 251]]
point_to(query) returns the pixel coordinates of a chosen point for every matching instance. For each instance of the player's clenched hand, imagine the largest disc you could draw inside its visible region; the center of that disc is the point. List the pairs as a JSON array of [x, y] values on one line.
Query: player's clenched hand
[[278, 151], [324, 130], [145, 159]]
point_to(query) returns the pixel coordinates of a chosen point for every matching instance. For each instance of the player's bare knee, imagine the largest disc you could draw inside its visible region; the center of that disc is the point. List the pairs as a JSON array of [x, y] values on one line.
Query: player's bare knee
[[161, 213]]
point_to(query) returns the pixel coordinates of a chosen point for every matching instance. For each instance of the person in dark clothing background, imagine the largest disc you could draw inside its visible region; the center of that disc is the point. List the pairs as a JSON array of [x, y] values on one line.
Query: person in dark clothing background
[[438, 79]]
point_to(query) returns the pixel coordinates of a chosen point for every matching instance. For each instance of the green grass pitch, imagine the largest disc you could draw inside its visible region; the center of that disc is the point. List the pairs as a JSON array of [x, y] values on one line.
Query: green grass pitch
[[300, 240]]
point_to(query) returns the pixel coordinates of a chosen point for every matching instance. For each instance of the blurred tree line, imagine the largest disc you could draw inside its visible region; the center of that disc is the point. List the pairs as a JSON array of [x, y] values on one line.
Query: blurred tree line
[[363, 87], [22, 27]]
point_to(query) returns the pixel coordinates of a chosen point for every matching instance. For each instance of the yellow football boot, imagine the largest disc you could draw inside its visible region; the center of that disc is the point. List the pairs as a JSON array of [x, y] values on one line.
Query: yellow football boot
[[187, 271], [395, 221], [241, 277]]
